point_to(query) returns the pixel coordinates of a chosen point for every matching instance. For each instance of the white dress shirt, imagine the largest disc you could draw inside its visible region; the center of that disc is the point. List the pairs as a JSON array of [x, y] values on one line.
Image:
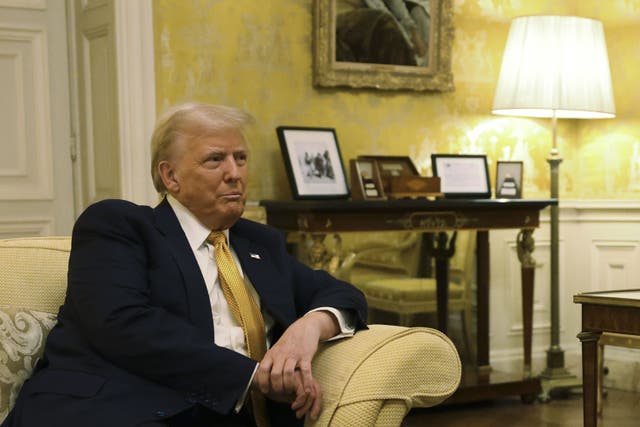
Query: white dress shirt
[[228, 332]]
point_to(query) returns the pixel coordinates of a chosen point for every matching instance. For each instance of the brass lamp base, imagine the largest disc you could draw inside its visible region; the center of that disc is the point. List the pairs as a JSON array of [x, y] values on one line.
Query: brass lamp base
[[564, 384], [555, 379]]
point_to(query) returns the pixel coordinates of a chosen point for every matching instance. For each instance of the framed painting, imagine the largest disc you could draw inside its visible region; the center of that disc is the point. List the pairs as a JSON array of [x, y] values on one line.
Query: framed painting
[[462, 176], [383, 44], [313, 162]]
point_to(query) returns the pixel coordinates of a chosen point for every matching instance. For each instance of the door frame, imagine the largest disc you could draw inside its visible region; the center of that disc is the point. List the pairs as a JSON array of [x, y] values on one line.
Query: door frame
[[135, 76]]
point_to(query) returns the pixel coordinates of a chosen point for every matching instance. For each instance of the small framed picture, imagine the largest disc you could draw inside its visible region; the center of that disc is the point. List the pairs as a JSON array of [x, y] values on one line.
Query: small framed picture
[[391, 167], [462, 175], [313, 162], [509, 179], [365, 180]]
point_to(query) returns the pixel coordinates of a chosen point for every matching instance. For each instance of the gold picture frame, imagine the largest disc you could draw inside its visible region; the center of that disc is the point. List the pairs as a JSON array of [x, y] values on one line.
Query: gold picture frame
[[348, 61]]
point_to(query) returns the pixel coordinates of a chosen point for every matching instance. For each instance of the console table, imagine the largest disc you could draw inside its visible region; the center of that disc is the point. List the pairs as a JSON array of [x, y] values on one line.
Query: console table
[[612, 311], [319, 217]]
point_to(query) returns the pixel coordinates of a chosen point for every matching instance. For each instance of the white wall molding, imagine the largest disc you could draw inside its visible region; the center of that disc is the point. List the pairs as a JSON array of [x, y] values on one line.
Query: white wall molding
[[25, 4], [511, 360], [614, 264], [92, 4], [600, 204], [600, 211], [599, 250], [136, 97], [29, 174], [25, 227]]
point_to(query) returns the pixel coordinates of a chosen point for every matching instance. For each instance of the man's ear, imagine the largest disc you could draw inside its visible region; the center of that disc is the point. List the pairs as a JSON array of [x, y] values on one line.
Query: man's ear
[[167, 173]]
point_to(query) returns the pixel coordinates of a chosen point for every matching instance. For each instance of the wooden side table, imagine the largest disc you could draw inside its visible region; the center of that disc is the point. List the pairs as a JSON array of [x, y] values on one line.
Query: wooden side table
[[322, 217], [612, 311]]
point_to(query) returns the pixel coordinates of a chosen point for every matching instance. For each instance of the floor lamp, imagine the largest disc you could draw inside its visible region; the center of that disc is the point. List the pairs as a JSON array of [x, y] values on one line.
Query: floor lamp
[[555, 67]]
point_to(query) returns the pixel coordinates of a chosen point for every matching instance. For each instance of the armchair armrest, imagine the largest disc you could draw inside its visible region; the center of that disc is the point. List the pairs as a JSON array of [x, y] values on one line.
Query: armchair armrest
[[377, 376]]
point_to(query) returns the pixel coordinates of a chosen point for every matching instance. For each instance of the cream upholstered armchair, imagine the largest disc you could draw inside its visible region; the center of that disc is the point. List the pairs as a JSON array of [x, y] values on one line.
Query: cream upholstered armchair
[[372, 379]]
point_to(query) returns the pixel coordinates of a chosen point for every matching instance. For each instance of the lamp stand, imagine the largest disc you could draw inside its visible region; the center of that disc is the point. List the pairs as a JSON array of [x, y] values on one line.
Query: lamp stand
[[555, 376]]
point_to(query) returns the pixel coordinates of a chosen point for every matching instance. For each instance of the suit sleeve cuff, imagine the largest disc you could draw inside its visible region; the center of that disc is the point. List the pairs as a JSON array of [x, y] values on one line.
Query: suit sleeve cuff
[[243, 397]]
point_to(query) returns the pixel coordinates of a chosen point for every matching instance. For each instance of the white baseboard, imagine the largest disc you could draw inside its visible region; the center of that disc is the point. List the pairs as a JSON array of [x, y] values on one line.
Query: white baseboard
[[623, 364]]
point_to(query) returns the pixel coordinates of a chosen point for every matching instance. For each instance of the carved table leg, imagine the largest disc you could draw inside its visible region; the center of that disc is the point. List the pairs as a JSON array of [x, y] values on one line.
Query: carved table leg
[[482, 278], [442, 253], [318, 256], [589, 377], [526, 245]]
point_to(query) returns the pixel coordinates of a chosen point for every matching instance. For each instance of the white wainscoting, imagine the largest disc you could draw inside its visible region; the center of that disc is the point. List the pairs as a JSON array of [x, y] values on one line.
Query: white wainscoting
[[599, 250], [36, 194], [25, 4], [25, 227], [26, 167]]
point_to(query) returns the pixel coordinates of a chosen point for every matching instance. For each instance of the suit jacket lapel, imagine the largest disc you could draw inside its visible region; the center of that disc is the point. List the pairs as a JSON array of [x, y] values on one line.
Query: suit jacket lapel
[[195, 287], [258, 267]]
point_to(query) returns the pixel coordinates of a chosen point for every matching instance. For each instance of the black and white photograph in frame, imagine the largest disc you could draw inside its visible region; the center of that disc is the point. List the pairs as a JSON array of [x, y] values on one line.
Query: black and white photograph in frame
[[508, 179], [313, 162]]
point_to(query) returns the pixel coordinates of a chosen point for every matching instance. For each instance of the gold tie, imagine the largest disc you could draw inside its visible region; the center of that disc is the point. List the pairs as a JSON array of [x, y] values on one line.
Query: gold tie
[[245, 310]]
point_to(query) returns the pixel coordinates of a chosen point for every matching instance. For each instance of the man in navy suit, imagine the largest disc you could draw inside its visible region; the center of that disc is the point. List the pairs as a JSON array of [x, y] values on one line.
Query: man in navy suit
[[146, 337]]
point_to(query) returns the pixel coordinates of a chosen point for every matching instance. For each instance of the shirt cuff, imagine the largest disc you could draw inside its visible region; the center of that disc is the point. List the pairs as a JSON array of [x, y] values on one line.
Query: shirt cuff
[[345, 319], [243, 397]]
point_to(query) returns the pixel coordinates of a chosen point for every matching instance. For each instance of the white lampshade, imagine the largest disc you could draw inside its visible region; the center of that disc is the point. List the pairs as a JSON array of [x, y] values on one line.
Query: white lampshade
[[555, 63]]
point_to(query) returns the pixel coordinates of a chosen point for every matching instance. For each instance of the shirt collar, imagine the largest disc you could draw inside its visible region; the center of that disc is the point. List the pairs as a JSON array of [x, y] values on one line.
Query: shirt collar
[[195, 231]]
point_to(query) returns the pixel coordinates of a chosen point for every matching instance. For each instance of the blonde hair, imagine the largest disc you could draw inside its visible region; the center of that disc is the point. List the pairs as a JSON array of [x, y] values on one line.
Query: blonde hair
[[187, 121]]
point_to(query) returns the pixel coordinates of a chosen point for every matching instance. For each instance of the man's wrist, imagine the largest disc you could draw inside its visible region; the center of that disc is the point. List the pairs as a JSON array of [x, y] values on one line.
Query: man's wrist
[[327, 323], [346, 322]]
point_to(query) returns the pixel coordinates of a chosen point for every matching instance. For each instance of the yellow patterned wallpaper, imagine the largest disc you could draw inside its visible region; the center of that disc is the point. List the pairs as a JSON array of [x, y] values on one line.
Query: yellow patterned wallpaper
[[257, 55]]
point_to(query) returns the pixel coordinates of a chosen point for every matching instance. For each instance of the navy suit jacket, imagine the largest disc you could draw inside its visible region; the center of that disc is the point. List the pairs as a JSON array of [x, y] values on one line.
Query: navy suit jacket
[[134, 338]]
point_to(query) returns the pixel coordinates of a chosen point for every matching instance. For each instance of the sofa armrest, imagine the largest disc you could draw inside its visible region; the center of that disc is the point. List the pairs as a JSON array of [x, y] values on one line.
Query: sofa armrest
[[382, 373]]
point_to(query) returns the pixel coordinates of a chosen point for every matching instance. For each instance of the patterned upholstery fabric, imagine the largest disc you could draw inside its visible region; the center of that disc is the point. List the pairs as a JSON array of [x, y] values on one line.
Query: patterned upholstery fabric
[[22, 337], [33, 280], [372, 379]]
